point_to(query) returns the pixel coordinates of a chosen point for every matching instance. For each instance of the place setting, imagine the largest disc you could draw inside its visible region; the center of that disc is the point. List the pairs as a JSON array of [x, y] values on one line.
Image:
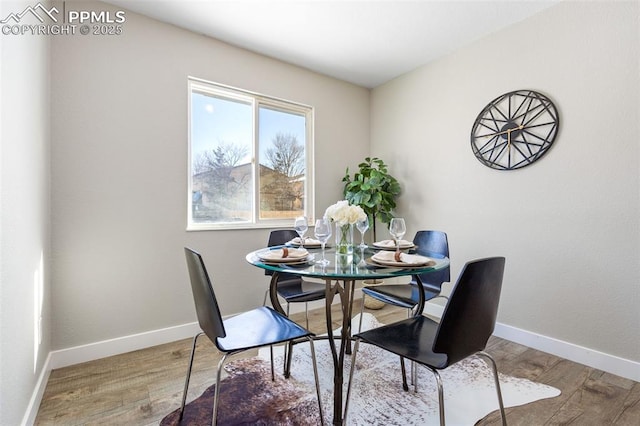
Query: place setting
[[294, 252], [391, 253], [397, 229], [307, 242], [392, 245], [402, 260], [301, 226], [285, 255]]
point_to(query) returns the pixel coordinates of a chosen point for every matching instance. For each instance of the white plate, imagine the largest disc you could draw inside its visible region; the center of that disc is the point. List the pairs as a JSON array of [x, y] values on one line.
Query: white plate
[[387, 258], [391, 245], [305, 261], [275, 255]]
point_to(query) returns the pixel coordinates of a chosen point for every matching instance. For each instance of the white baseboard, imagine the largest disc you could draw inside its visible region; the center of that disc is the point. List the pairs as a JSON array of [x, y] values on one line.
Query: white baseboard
[[598, 360], [589, 357], [63, 358], [106, 348], [34, 403]]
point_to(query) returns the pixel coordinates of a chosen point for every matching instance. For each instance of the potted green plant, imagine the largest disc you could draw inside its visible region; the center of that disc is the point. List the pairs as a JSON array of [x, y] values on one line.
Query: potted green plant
[[373, 189]]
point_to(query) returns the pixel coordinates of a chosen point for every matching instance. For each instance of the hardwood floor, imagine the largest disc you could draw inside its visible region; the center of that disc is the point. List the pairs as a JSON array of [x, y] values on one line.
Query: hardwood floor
[[141, 387]]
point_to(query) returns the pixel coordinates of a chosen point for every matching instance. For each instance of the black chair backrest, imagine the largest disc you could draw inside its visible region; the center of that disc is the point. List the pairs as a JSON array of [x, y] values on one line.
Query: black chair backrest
[[433, 244], [207, 309], [279, 237], [470, 315]]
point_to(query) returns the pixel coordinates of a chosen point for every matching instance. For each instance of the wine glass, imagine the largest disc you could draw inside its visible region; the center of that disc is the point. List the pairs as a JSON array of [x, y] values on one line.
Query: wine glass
[[362, 226], [323, 232], [362, 262], [397, 229], [301, 225]]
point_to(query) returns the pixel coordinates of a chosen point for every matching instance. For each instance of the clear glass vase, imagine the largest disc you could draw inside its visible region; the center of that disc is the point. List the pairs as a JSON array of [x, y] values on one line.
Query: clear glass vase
[[344, 240]]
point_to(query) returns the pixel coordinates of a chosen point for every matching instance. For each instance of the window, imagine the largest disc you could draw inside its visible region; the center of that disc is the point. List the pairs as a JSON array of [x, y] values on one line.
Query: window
[[250, 159]]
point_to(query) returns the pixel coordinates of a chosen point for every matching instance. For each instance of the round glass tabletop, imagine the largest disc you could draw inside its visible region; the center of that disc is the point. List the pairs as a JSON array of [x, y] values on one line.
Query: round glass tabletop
[[359, 266]]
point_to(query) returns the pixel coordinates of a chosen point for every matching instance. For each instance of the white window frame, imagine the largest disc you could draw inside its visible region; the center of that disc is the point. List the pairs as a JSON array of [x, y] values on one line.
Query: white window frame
[[256, 100]]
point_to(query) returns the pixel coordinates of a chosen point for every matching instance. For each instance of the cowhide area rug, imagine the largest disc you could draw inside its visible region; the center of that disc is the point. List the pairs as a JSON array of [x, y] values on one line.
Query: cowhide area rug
[[250, 397]]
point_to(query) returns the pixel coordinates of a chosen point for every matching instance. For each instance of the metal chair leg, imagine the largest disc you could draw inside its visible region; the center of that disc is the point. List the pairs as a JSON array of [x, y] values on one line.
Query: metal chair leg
[[315, 375], [186, 382], [404, 374], [494, 367], [285, 361], [440, 395], [306, 313], [273, 374], [361, 312], [353, 368], [414, 374], [214, 418]]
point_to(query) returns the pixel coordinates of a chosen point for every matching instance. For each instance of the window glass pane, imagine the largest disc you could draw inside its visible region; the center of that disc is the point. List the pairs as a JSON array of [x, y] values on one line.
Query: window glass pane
[[221, 152], [251, 159], [282, 158]]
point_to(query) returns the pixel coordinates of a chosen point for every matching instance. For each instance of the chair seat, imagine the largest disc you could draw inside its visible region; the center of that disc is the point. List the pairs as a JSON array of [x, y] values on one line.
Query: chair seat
[[259, 327], [412, 339], [402, 295], [297, 290]]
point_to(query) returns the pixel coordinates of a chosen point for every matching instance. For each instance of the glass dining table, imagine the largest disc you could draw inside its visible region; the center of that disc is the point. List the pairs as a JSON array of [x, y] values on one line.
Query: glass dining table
[[340, 276]]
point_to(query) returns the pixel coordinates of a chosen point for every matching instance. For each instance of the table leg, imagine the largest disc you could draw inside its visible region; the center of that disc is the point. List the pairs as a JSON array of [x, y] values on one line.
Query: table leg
[[346, 291], [337, 377], [273, 294]]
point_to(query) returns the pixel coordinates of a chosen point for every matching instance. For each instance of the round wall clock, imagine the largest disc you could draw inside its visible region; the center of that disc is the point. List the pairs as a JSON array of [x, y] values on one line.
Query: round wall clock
[[514, 130]]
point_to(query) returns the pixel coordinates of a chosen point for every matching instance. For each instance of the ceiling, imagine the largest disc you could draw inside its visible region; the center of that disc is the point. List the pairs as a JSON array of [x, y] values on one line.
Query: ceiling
[[363, 42]]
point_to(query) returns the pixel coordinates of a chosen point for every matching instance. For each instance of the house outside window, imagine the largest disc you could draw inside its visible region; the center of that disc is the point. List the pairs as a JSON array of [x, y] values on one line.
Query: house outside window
[[250, 159]]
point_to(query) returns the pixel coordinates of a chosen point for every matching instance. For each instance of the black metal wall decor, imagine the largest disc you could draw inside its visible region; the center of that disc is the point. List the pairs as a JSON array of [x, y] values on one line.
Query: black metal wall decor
[[514, 130]]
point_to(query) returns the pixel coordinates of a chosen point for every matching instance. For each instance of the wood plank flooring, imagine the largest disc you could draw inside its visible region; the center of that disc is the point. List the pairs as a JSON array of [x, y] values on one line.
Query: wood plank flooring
[[141, 387]]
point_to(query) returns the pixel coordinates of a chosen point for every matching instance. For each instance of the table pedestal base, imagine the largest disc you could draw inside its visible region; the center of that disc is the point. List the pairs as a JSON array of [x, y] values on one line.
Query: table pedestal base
[[345, 290]]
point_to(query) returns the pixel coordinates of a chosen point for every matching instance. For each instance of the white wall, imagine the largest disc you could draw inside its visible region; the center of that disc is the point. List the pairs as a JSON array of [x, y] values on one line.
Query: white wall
[[119, 170], [24, 217], [569, 224]]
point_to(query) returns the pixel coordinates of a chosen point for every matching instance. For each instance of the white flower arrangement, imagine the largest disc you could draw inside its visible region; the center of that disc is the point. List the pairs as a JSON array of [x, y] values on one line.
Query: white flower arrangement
[[343, 213]]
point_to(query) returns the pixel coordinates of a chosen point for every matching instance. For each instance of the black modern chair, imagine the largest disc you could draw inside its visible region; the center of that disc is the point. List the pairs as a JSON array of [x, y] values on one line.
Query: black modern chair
[[428, 243], [292, 288], [466, 325], [257, 328]]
